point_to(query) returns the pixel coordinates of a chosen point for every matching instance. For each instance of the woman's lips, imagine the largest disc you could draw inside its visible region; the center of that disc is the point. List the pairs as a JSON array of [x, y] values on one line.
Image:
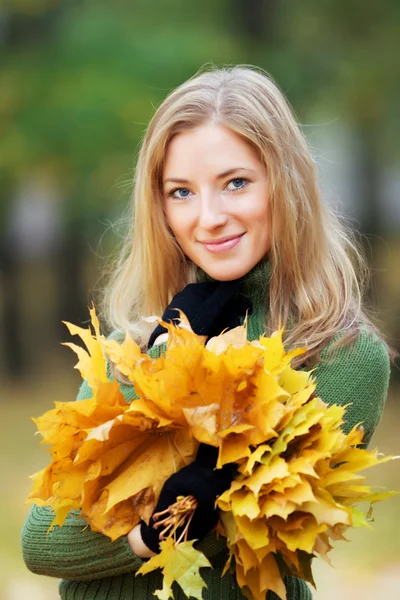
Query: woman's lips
[[223, 246]]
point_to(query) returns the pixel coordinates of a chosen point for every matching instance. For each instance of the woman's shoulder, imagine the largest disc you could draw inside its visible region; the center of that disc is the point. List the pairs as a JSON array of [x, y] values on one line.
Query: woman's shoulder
[[356, 374], [364, 346]]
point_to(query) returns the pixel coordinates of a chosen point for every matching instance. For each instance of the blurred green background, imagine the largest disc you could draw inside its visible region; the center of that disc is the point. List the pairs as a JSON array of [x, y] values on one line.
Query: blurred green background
[[79, 81]]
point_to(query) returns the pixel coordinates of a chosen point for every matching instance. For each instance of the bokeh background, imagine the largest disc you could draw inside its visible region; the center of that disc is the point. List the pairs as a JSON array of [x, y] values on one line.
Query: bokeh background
[[79, 80]]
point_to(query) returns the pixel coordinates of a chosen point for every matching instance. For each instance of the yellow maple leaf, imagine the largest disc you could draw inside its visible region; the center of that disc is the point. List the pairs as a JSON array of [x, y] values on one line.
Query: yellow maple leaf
[[236, 338], [92, 364], [180, 563]]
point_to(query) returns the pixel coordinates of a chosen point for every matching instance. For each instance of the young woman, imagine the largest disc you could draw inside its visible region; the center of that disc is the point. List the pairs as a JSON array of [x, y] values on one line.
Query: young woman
[[228, 218]]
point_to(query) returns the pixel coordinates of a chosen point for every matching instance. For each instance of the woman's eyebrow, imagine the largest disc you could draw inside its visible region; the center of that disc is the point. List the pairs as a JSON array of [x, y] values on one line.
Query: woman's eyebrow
[[220, 176]]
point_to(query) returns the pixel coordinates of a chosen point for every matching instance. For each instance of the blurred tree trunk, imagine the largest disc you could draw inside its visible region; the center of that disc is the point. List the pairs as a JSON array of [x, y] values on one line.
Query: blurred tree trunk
[[257, 19], [72, 302], [370, 178], [11, 322]]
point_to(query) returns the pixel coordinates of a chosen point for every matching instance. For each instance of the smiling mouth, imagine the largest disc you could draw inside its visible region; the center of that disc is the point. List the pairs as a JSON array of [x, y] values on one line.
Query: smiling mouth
[[223, 244], [228, 238]]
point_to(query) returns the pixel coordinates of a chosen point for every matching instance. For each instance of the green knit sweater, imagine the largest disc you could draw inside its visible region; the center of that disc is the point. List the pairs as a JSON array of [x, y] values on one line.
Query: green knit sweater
[[94, 568]]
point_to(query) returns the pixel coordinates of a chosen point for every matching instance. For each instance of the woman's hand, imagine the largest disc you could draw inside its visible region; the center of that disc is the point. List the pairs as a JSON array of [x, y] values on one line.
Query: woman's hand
[[137, 544], [204, 483], [161, 339]]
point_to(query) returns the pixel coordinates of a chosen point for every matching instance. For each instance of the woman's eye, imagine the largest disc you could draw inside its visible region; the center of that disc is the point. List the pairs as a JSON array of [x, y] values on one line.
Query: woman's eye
[[179, 193], [237, 184]]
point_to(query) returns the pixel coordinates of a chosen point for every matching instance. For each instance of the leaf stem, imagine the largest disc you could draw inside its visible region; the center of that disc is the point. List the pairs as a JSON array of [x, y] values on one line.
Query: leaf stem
[[177, 515]]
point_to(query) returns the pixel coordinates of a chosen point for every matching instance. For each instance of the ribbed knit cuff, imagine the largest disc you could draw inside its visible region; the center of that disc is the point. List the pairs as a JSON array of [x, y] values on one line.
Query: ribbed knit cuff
[[73, 551], [296, 589]]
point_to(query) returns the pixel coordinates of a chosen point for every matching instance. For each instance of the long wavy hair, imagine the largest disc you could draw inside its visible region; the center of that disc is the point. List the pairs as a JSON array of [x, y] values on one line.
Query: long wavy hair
[[317, 270]]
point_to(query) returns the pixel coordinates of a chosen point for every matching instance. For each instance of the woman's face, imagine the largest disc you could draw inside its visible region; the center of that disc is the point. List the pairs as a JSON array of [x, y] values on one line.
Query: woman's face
[[215, 192]]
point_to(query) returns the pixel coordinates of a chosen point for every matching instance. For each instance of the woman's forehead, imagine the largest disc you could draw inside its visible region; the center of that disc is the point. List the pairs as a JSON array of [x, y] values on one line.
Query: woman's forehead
[[211, 148]]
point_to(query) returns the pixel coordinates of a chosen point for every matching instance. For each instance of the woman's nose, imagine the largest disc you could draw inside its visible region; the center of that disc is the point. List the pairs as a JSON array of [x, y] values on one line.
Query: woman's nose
[[212, 211]]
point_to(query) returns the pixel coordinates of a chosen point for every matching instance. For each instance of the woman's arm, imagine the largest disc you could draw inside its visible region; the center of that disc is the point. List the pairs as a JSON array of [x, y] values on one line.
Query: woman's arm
[[357, 375], [74, 551]]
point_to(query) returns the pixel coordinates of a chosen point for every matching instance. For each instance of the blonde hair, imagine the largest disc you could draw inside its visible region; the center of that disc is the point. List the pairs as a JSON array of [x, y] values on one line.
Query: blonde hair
[[317, 271]]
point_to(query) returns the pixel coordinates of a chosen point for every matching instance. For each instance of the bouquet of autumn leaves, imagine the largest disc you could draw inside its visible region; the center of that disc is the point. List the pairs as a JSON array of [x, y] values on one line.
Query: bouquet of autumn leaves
[[297, 481]]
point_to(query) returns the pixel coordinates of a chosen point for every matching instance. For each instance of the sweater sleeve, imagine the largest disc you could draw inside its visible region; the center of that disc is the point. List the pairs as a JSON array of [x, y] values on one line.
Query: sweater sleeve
[[356, 375], [74, 551]]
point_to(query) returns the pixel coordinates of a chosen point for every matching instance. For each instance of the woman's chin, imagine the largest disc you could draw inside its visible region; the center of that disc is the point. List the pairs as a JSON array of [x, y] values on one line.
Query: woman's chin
[[225, 273]]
